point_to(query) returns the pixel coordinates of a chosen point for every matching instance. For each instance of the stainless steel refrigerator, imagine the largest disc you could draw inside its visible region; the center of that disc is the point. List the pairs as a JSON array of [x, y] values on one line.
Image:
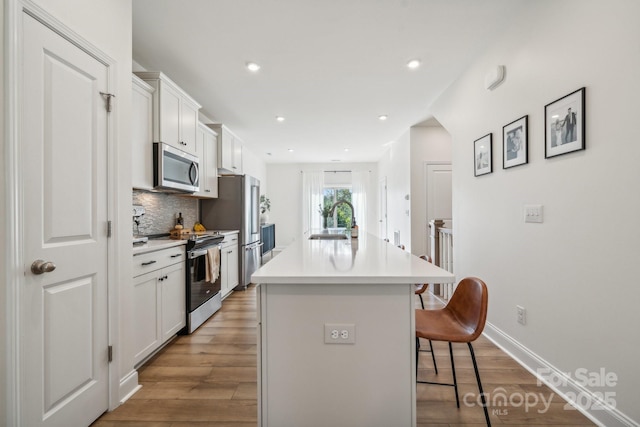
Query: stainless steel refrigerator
[[237, 208]]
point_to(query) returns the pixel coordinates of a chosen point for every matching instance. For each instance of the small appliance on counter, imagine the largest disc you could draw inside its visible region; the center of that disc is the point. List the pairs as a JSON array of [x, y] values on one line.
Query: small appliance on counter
[[138, 211]]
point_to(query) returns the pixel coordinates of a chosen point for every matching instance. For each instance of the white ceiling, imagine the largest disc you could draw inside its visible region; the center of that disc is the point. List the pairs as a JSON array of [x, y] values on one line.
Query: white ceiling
[[330, 67]]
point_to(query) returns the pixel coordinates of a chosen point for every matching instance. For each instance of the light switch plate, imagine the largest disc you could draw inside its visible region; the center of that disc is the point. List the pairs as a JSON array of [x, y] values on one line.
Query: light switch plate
[[533, 213]]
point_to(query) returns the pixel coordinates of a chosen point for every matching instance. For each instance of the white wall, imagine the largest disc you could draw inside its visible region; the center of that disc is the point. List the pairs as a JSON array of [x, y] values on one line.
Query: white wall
[[576, 273], [395, 165], [428, 144], [256, 167], [107, 25], [285, 193]]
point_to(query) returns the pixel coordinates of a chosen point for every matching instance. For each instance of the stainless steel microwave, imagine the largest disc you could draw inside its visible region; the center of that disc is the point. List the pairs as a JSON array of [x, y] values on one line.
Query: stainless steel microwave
[[174, 169]]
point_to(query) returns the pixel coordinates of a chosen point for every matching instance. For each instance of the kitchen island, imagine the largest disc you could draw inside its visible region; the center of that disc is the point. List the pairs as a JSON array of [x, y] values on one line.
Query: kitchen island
[[336, 340]]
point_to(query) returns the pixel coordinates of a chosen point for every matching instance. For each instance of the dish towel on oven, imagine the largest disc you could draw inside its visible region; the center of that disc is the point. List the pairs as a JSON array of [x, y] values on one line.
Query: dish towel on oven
[[213, 264]]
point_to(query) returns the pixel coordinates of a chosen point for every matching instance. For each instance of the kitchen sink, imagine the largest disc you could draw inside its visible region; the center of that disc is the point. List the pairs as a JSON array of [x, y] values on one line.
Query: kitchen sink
[[328, 236]]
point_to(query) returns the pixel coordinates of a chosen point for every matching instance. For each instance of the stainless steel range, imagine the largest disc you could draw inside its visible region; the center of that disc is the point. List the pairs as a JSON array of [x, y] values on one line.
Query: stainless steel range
[[203, 279]]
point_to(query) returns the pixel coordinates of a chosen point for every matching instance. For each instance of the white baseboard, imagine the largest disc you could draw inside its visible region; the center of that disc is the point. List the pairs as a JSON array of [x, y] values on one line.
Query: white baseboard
[[129, 386], [603, 415]]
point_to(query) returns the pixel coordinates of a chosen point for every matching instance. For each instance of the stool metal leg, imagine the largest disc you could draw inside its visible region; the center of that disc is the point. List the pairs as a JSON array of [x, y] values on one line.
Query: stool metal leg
[[484, 402], [433, 356], [453, 369]]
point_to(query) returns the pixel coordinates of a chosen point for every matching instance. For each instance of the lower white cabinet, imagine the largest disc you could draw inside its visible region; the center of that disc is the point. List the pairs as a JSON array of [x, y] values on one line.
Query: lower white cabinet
[[159, 299], [229, 259]]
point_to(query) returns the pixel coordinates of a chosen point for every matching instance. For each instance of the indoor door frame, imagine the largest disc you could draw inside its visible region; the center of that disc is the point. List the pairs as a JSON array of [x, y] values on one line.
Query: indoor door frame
[[14, 196], [425, 168]]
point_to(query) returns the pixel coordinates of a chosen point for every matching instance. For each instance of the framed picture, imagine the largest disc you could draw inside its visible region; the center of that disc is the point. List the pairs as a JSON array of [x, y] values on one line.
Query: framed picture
[[482, 155], [515, 143], [564, 124]]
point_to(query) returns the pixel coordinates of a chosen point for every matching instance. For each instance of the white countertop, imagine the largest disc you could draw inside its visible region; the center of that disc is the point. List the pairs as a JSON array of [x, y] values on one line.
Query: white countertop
[[156, 245], [166, 242], [366, 260]]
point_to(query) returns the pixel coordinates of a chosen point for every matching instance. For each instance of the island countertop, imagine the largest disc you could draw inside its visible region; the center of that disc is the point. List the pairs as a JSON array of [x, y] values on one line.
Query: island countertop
[[365, 260]]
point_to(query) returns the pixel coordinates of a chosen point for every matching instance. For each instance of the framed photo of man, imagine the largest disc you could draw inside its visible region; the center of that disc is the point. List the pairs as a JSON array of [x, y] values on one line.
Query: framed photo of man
[[482, 156], [515, 144], [564, 123]]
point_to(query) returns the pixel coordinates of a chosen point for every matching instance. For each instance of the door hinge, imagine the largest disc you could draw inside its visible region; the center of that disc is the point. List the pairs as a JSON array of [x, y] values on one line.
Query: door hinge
[[108, 96], [108, 228], [110, 353]]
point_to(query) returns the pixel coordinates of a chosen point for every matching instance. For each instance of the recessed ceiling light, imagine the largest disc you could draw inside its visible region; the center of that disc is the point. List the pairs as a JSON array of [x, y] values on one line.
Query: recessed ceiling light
[[346, 149], [413, 64], [290, 150], [252, 66], [383, 117], [280, 118]]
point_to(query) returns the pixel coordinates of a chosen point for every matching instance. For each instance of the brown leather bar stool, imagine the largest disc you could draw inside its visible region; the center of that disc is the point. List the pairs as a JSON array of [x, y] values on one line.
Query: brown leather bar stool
[[461, 320]]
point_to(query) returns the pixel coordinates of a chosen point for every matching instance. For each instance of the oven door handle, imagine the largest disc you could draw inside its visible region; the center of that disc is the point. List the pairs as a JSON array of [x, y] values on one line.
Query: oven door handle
[[197, 253]]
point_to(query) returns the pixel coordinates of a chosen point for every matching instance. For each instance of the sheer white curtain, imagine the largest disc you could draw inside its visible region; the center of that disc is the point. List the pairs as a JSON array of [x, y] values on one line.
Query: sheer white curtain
[[312, 197], [359, 188]]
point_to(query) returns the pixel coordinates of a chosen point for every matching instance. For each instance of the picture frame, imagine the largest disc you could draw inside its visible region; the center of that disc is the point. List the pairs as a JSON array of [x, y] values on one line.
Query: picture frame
[[515, 143], [483, 155], [564, 124]]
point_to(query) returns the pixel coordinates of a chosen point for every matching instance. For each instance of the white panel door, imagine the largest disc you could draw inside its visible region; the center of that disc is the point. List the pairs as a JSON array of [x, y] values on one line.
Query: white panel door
[[63, 313], [439, 194]]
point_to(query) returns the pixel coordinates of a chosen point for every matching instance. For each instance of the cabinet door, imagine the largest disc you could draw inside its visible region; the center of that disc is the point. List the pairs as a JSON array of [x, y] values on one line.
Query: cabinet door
[[211, 164], [188, 126], [237, 156], [225, 139], [173, 292], [141, 135], [146, 302], [169, 117], [232, 266]]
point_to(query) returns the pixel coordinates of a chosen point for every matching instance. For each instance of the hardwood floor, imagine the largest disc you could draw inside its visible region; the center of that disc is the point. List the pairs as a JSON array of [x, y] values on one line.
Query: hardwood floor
[[209, 379]]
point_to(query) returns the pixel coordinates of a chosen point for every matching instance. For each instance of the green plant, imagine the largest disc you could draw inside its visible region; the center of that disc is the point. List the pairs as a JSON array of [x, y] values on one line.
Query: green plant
[[324, 211], [265, 204]]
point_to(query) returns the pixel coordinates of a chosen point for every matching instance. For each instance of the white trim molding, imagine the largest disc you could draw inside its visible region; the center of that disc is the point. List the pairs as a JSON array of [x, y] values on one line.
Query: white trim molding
[[567, 387]]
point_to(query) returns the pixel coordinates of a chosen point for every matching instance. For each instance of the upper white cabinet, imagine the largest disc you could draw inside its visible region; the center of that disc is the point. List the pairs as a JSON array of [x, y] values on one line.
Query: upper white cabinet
[[141, 135], [175, 113], [207, 152], [229, 150]]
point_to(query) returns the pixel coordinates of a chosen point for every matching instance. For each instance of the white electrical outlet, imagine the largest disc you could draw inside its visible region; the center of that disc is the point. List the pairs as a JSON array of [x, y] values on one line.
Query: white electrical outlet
[[522, 315], [339, 333]]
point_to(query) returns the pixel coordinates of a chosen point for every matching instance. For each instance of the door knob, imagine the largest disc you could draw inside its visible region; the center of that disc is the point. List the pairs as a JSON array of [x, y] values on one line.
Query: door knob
[[39, 266]]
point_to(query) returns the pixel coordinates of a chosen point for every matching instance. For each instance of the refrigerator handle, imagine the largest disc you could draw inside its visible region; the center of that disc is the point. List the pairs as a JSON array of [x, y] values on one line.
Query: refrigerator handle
[[255, 209]]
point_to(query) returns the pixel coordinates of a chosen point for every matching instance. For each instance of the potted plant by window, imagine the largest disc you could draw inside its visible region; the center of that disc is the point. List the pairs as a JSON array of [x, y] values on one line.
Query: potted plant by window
[[265, 206]]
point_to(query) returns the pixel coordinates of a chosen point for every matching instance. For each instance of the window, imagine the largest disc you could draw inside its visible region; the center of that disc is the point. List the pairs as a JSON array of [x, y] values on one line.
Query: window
[[342, 214]]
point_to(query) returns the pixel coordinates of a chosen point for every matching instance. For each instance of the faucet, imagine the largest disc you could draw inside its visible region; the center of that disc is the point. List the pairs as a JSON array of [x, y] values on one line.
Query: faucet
[[353, 212]]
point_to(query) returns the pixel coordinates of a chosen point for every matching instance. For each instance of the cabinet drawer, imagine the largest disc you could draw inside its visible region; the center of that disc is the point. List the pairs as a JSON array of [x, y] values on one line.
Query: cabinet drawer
[[230, 239], [150, 261]]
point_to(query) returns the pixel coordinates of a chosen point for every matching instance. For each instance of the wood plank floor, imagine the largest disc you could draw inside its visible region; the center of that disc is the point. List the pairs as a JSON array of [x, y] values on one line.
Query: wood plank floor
[[209, 379]]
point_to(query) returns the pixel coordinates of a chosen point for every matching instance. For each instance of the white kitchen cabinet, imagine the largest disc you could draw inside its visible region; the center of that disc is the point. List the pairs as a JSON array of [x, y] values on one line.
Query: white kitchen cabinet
[[229, 258], [159, 294], [141, 134], [229, 150], [207, 152], [175, 113]]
